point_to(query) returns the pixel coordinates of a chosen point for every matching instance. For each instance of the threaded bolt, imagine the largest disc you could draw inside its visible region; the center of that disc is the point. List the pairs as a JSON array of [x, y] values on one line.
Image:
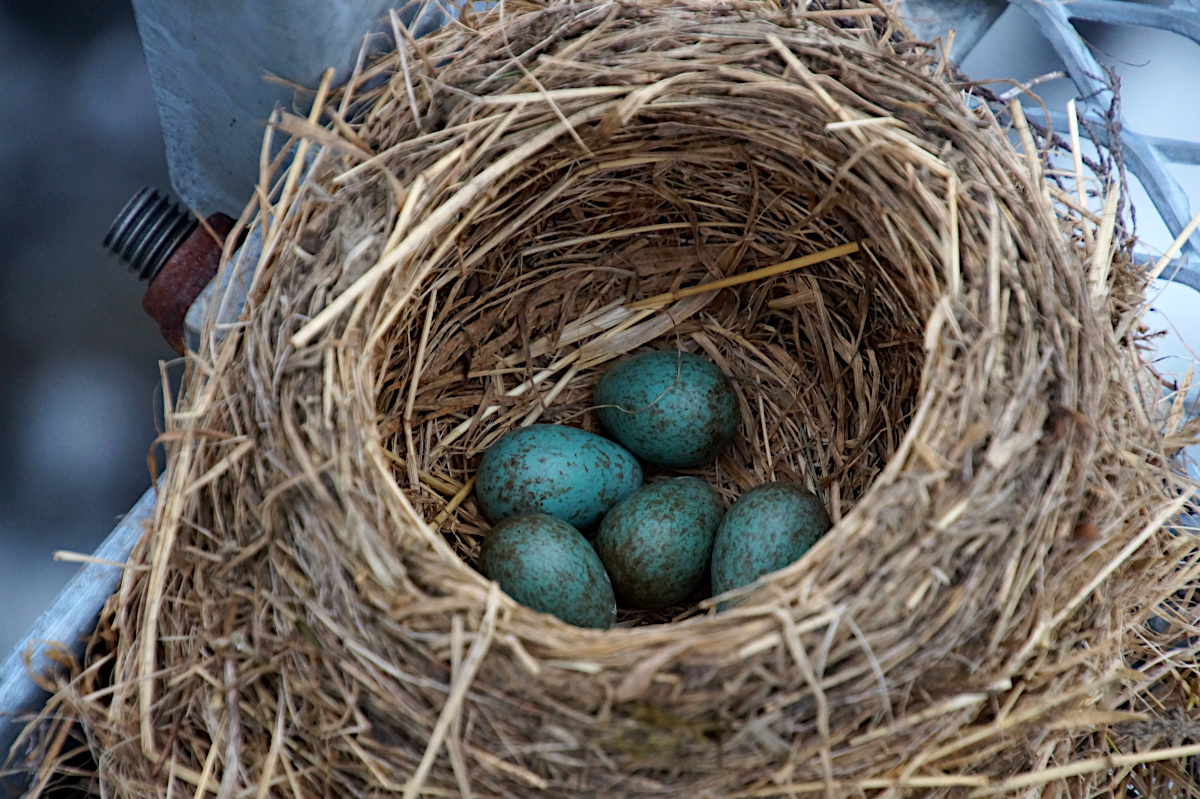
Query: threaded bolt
[[147, 232]]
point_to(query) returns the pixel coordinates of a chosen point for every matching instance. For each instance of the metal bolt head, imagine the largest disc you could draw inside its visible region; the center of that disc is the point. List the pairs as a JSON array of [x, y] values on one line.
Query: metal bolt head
[[165, 245]]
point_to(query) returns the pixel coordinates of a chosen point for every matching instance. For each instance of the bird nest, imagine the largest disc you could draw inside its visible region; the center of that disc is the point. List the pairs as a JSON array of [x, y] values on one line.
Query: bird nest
[[921, 321]]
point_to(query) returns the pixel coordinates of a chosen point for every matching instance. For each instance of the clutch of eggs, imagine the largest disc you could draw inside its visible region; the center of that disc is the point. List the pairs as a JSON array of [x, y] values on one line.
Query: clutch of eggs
[[542, 485]]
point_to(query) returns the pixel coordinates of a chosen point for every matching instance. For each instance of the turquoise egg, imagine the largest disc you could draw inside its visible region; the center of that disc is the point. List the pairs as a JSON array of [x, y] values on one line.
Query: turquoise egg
[[546, 564], [566, 472], [770, 526], [668, 407], [655, 543]]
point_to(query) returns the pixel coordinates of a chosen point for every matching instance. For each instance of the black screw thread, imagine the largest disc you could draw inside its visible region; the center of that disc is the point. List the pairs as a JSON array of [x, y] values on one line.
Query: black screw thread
[[147, 232]]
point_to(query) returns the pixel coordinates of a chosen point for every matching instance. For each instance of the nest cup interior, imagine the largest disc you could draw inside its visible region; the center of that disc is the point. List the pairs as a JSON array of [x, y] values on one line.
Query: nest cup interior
[[826, 360]]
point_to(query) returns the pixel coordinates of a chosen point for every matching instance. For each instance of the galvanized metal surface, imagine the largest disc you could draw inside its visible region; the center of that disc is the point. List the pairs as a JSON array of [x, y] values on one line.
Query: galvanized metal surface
[[1146, 156], [931, 20], [65, 625], [209, 64]]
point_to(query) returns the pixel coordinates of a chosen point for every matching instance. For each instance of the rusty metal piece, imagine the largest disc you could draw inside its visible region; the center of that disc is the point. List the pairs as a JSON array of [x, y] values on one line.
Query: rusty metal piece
[[164, 244], [184, 275]]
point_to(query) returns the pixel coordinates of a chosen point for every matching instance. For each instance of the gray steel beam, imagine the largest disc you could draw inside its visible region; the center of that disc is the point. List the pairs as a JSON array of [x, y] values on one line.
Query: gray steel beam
[[209, 63], [68, 623]]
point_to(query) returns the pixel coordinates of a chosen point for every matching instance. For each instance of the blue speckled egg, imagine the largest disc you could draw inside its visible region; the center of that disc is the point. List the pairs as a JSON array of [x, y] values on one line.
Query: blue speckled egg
[[655, 543], [668, 407], [566, 472], [546, 564], [770, 526]]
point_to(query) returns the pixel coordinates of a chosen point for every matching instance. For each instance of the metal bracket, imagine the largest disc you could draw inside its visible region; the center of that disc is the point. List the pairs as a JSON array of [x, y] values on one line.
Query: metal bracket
[[210, 63], [1146, 156], [66, 625]]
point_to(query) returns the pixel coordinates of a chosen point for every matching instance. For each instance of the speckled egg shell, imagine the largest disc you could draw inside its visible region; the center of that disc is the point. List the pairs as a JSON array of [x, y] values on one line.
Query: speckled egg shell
[[770, 526], [668, 407], [566, 472], [546, 564], [655, 544]]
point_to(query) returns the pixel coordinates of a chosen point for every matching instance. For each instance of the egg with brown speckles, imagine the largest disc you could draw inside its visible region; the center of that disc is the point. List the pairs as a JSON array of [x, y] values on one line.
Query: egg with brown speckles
[[668, 407], [569, 473], [769, 526], [655, 543], [546, 564]]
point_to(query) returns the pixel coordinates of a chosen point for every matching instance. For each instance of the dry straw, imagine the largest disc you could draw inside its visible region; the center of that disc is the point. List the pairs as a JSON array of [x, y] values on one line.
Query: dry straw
[[496, 212]]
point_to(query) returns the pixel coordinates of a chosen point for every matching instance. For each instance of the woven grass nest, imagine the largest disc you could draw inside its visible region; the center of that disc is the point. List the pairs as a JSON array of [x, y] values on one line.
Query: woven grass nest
[[493, 215]]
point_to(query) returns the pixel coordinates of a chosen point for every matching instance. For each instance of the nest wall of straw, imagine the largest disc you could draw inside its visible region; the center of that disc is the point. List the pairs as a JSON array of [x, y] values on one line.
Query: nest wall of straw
[[522, 198]]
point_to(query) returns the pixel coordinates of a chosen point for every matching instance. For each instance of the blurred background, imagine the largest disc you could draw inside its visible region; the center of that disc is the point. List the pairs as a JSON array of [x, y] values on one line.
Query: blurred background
[[79, 361]]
